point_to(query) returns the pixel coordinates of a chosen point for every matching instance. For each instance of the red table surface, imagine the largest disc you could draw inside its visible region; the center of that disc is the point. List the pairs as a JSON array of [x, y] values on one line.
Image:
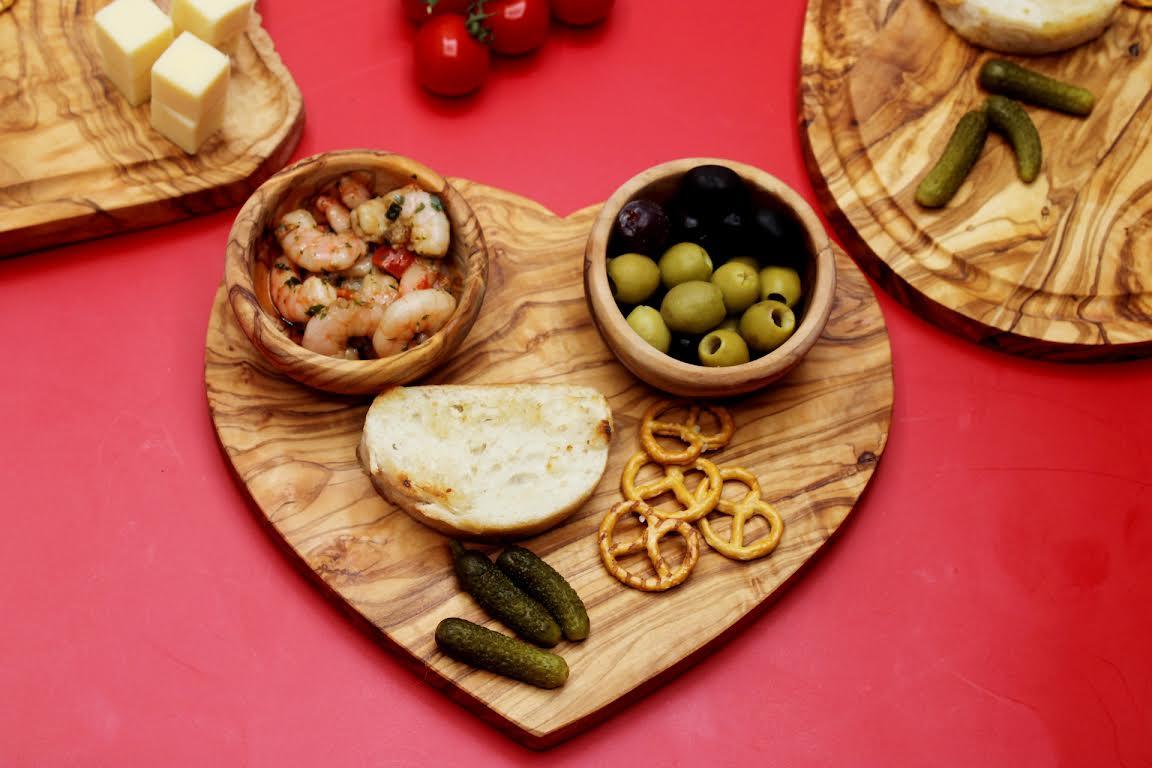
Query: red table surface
[[989, 602]]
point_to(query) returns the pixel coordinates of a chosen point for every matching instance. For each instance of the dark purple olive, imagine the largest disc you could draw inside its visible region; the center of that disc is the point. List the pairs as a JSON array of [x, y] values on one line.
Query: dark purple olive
[[641, 227], [712, 190], [685, 347], [778, 238]]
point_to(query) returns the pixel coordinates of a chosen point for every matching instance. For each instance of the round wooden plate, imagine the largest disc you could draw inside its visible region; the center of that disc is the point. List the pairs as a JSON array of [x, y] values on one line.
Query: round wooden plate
[[814, 440], [1059, 269]]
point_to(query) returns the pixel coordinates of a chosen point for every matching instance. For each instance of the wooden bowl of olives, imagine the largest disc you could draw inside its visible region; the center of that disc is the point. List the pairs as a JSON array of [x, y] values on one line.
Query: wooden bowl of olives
[[708, 278]]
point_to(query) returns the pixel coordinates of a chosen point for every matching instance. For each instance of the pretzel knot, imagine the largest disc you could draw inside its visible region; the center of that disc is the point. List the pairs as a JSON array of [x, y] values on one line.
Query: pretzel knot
[[648, 541], [688, 432], [695, 504], [741, 510]]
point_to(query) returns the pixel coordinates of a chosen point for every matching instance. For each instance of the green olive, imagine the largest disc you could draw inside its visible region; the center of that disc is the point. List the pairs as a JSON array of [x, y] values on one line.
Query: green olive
[[740, 285], [723, 347], [634, 277], [767, 324], [751, 261], [781, 284], [683, 262], [649, 325], [693, 307], [732, 323]]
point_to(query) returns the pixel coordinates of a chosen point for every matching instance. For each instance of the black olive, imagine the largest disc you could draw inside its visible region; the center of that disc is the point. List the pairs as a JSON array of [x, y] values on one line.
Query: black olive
[[685, 348], [641, 227], [713, 190]]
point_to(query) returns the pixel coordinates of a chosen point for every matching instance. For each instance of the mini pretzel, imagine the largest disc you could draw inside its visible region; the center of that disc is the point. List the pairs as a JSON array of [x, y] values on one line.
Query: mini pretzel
[[689, 432], [695, 505], [655, 528], [742, 510]]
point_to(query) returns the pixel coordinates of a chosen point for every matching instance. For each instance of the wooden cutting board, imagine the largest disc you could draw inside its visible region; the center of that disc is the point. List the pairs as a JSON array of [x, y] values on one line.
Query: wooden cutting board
[[814, 440], [1061, 268], [77, 162]]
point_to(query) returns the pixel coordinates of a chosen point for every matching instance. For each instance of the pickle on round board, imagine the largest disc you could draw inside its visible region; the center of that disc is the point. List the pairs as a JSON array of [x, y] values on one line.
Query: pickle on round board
[[1010, 79], [540, 580], [481, 647], [502, 599], [961, 153], [1008, 117]]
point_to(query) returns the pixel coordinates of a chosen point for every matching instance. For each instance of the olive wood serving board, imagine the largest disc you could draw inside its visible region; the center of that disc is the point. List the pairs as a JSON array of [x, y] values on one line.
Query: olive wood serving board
[[77, 161], [814, 440], [1059, 269]]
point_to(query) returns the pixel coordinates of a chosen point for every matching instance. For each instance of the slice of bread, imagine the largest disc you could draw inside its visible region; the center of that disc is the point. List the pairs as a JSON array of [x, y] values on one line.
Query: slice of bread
[[1028, 26], [487, 462]]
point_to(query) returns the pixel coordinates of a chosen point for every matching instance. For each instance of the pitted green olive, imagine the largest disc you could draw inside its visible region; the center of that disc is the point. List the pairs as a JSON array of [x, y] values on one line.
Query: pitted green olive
[[767, 324], [649, 325], [693, 307], [751, 261], [781, 284], [683, 262], [723, 347], [739, 284], [633, 276]]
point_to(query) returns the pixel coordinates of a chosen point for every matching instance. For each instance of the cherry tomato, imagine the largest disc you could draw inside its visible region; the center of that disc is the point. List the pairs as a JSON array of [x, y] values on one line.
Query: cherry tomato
[[449, 61], [418, 11], [580, 12], [517, 26], [394, 261]]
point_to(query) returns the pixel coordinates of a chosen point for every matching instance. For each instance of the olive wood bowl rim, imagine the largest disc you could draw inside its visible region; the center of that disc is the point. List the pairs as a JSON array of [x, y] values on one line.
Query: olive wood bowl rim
[[329, 373], [685, 379]]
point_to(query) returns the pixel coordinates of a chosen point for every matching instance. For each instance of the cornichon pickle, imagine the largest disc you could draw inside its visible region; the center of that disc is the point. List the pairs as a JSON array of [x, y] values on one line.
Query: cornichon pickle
[[542, 582], [1009, 118], [502, 599], [1011, 79], [483, 648], [963, 149]]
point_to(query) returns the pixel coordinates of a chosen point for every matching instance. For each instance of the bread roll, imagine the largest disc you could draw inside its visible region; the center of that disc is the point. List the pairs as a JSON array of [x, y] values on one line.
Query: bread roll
[[487, 462], [1028, 26]]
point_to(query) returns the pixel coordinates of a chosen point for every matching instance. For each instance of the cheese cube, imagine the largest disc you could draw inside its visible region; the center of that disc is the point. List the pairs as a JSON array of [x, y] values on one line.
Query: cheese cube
[[131, 35], [191, 77], [183, 131], [213, 21]]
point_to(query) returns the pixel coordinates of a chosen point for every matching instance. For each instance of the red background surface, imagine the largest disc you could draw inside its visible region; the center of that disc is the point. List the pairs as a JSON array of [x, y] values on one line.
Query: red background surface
[[988, 603]]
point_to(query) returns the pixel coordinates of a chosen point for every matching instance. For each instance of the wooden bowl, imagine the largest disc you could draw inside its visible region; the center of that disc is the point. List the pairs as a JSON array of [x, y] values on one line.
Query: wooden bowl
[[245, 273], [667, 373]]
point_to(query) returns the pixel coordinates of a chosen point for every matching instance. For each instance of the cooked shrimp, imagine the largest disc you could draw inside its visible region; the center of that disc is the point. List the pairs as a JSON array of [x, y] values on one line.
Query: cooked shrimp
[[353, 190], [335, 213], [328, 332], [297, 298], [376, 287], [315, 249], [411, 318], [423, 274], [408, 216], [362, 267]]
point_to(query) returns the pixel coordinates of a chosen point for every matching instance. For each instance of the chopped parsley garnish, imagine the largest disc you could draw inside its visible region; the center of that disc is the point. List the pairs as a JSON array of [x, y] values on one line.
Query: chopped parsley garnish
[[315, 309], [393, 212], [418, 209], [292, 282], [282, 265], [436, 204]]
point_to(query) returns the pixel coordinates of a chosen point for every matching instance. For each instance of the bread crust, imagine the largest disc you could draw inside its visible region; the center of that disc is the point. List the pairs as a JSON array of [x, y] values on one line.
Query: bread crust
[[567, 431]]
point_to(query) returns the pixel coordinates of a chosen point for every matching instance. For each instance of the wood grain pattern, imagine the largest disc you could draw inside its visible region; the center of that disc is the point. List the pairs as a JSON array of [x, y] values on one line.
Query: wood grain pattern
[[1059, 269], [77, 162], [814, 439], [680, 378]]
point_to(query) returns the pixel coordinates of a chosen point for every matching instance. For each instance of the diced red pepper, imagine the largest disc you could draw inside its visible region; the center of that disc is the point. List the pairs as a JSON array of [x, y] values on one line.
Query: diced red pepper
[[394, 261]]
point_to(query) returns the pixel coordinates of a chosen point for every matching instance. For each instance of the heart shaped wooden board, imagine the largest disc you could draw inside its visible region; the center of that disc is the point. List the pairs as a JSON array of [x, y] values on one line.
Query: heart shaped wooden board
[[814, 440], [1059, 269], [78, 162]]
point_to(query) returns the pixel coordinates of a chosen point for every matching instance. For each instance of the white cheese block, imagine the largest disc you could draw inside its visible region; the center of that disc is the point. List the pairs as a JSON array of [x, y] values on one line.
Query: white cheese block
[[131, 35], [191, 77], [213, 21], [1028, 26], [183, 131]]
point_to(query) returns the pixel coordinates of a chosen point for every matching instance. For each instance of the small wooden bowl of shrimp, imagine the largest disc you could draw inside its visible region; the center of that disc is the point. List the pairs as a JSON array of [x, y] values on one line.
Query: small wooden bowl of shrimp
[[356, 270]]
